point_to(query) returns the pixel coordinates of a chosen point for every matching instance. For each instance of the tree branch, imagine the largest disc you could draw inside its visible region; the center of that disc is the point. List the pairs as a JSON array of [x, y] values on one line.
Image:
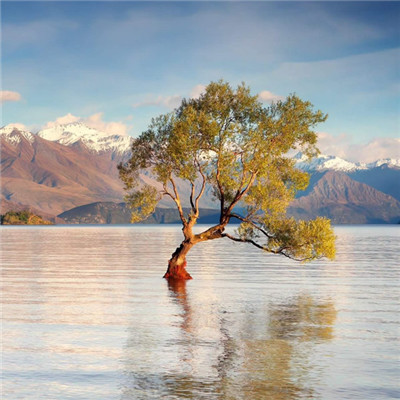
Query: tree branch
[[203, 186], [192, 197], [221, 190], [166, 192], [240, 194], [215, 232], [280, 251], [251, 181], [251, 223], [178, 201], [236, 239], [243, 174]]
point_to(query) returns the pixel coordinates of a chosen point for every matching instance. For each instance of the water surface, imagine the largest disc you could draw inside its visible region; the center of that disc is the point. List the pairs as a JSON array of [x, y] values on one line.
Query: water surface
[[86, 315]]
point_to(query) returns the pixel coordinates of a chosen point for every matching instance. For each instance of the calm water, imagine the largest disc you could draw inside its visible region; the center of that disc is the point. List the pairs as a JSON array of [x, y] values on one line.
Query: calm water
[[86, 315]]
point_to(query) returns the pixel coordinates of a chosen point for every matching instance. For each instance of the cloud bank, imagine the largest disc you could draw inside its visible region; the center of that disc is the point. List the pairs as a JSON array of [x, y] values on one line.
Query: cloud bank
[[342, 146], [8, 95], [19, 126], [94, 121]]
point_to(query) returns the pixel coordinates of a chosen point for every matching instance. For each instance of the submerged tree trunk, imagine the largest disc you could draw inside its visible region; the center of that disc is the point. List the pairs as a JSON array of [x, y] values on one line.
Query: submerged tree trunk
[[177, 263]]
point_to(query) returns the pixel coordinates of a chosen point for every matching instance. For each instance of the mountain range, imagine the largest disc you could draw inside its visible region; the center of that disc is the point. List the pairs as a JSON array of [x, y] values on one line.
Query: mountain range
[[54, 177], [66, 166]]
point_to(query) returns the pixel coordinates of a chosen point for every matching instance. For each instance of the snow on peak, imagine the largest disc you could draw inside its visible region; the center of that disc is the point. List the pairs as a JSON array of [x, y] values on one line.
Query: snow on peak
[[324, 162], [13, 133], [93, 139], [390, 162]]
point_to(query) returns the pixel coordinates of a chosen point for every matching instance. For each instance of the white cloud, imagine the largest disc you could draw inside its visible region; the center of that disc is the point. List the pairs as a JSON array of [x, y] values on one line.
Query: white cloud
[[197, 91], [269, 97], [66, 119], [333, 145], [169, 102], [376, 149], [115, 127], [20, 127], [93, 121], [8, 95], [343, 147]]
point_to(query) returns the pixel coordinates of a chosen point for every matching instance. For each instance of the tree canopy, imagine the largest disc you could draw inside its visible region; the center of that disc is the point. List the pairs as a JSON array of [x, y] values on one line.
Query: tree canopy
[[227, 139]]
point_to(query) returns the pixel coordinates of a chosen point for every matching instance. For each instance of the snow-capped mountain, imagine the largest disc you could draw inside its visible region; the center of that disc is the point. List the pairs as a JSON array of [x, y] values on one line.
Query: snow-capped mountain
[[14, 135], [53, 177], [72, 165], [100, 142], [324, 162], [390, 162], [93, 139]]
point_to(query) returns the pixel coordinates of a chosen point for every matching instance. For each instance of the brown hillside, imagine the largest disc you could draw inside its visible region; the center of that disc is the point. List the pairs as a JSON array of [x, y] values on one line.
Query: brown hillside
[[344, 200], [54, 178]]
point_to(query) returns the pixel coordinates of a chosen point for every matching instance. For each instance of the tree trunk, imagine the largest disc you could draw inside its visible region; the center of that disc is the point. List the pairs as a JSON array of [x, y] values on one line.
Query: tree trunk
[[177, 263]]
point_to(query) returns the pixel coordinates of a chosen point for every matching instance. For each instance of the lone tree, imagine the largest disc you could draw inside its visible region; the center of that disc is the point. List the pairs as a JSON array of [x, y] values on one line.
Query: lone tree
[[227, 139]]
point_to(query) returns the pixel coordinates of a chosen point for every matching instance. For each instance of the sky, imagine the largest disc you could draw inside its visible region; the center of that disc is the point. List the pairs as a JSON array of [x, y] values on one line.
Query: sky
[[115, 65]]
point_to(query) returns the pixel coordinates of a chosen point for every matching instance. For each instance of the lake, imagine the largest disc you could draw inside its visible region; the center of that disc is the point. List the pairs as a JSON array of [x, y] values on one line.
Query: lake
[[87, 315]]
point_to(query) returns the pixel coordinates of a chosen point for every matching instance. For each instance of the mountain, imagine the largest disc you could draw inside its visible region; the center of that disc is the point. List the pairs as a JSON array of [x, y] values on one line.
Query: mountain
[[6, 206], [52, 177], [93, 139], [77, 166], [336, 196], [384, 177], [118, 146], [331, 194], [324, 162], [119, 213], [72, 165]]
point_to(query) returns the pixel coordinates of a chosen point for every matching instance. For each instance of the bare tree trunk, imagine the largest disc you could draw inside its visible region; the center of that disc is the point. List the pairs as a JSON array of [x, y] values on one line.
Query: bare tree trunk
[[177, 263]]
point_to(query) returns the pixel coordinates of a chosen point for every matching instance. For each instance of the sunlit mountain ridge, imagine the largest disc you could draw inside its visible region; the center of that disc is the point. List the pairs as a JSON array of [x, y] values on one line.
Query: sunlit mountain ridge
[[67, 166]]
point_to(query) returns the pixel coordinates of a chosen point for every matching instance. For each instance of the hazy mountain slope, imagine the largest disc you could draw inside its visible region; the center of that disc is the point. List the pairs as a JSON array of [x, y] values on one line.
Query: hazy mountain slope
[[118, 213], [72, 165], [53, 177], [383, 178], [338, 197], [6, 206]]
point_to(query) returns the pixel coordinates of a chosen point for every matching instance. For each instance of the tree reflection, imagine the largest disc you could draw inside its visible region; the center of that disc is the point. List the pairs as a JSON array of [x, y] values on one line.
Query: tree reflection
[[178, 293], [278, 365], [302, 318], [262, 353]]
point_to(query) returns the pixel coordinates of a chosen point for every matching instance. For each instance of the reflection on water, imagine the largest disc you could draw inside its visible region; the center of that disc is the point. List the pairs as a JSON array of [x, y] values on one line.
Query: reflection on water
[[87, 316], [247, 362]]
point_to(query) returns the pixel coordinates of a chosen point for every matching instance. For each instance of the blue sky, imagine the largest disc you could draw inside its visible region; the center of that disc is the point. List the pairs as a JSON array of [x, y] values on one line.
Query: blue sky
[[118, 64]]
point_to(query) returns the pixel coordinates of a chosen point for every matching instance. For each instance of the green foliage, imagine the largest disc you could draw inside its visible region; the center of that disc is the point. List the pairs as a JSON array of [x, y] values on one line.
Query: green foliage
[[299, 240], [24, 217], [142, 202], [227, 139], [21, 216]]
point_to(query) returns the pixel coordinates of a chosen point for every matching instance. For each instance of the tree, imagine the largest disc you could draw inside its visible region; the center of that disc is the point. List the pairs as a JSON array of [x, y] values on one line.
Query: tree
[[24, 217], [227, 139]]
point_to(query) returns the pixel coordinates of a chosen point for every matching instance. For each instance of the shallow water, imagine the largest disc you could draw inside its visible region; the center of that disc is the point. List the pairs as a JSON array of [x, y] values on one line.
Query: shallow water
[[86, 315]]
